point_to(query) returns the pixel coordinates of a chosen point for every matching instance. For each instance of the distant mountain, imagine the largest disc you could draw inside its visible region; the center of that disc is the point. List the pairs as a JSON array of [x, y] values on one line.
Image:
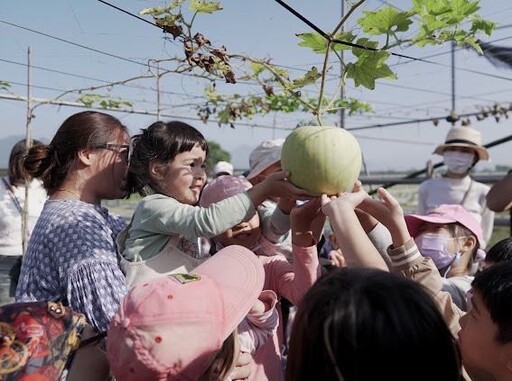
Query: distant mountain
[[5, 147]]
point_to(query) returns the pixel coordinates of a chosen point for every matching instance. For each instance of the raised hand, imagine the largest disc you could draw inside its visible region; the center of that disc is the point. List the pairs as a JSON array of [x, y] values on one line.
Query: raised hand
[[307, 218], [276, 185], [390, 213]]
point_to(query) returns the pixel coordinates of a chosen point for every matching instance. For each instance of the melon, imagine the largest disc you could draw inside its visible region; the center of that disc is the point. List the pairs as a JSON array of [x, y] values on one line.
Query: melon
[[322, 159]]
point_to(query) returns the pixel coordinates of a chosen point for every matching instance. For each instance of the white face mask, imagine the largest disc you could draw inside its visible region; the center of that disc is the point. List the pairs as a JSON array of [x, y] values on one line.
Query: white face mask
[[458, 162]]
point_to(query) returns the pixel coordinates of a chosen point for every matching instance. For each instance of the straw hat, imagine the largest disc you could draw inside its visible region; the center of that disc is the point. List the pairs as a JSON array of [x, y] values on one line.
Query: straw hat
[[464, 137]]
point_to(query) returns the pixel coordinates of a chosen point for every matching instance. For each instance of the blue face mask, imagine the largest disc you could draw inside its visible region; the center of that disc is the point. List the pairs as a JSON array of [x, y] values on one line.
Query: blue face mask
[[435, 246]]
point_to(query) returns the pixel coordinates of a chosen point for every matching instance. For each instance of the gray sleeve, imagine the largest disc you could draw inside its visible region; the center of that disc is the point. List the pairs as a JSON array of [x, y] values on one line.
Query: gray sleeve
[[381, 239], [165, 215]]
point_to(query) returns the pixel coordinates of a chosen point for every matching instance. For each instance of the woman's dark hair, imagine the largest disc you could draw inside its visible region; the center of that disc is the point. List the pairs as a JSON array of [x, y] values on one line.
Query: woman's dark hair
[[360, 324], [16, 172], [494, 285], [160, 142], [82, 130], [501, 251]]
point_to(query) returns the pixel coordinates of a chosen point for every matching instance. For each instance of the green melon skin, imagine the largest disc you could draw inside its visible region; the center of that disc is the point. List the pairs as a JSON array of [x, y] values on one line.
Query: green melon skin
[[322, 159]]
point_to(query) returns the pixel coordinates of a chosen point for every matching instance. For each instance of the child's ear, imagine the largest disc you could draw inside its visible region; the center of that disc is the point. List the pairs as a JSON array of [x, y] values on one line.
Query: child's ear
[[469, 244], [157, 170]]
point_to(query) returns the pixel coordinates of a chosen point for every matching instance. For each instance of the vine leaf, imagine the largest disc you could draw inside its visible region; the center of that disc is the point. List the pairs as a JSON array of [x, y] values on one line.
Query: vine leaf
[[158, 11], [91, 100], [204, 6], [318, 43], [386, 20], [309, 78], [4, 85], [370, 65]]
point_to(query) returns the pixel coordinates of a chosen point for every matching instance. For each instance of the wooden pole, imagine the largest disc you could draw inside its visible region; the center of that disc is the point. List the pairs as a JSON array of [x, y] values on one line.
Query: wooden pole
[[28, 144]]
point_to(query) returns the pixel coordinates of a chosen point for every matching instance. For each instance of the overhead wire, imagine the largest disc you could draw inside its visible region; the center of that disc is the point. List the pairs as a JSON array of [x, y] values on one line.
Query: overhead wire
[[146, 65]]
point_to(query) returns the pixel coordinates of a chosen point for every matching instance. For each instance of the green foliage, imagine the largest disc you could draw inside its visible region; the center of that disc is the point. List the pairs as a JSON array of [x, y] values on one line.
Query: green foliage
[[370, 65], [158, 11], [216, 153], [95, 100], [386, 21], [5, 85], [204, 6], [316, 42], [444, 20], [311, 76], [230, 109], [368, 47]]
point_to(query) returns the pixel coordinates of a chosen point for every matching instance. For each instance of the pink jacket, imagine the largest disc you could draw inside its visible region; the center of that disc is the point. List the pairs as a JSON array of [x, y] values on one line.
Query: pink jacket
[[290, 281]]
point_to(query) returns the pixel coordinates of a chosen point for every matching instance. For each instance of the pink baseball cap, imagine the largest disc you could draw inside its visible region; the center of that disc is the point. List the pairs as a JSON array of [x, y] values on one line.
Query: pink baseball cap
[[171, 327], [445, 214], [221, 188]]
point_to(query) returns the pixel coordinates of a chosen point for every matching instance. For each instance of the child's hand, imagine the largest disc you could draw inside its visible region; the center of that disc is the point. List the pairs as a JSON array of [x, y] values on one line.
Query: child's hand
[[286, 204], [331, 204], [258, 307], [357, 248], [242, 369], [337, 258], [389, 212], [307, 219], [276, 185]]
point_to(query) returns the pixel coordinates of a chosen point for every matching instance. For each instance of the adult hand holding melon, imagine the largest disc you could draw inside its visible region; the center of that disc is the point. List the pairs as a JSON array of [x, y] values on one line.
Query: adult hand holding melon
[[321, 160]]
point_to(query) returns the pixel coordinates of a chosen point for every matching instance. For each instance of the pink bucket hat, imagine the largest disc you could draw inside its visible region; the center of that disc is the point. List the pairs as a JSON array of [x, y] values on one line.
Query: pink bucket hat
[[264, 155], [171, 327], [445, 214], [221, 188]]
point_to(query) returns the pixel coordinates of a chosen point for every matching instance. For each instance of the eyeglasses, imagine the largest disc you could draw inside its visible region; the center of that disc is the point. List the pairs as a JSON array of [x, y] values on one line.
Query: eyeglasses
[[124, 149]]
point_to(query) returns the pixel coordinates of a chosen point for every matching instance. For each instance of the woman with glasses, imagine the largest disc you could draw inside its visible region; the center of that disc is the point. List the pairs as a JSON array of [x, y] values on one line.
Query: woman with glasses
[[71, 256]]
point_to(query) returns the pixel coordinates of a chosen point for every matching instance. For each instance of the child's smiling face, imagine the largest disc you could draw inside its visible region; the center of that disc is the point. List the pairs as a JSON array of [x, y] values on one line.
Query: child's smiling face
[[185, 176]]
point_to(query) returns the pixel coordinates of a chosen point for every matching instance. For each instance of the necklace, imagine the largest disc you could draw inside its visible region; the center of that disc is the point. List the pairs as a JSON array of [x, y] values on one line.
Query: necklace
[[68, 191]]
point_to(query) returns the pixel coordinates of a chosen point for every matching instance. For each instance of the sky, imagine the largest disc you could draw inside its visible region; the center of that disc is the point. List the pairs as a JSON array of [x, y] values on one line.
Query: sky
[[84, 44]]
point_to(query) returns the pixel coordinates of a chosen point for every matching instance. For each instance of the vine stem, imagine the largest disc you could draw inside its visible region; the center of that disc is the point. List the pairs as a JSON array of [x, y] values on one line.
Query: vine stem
[[345, 18], [322, 84], [278, 77]]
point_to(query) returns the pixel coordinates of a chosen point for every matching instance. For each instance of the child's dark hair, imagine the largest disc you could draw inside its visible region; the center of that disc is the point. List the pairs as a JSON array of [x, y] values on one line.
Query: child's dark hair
[[501, 251], [494, 285], [360, 324], [160, 142]]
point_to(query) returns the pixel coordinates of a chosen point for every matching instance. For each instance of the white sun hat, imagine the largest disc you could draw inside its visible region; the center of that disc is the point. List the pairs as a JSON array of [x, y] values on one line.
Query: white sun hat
[[264, 155]]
